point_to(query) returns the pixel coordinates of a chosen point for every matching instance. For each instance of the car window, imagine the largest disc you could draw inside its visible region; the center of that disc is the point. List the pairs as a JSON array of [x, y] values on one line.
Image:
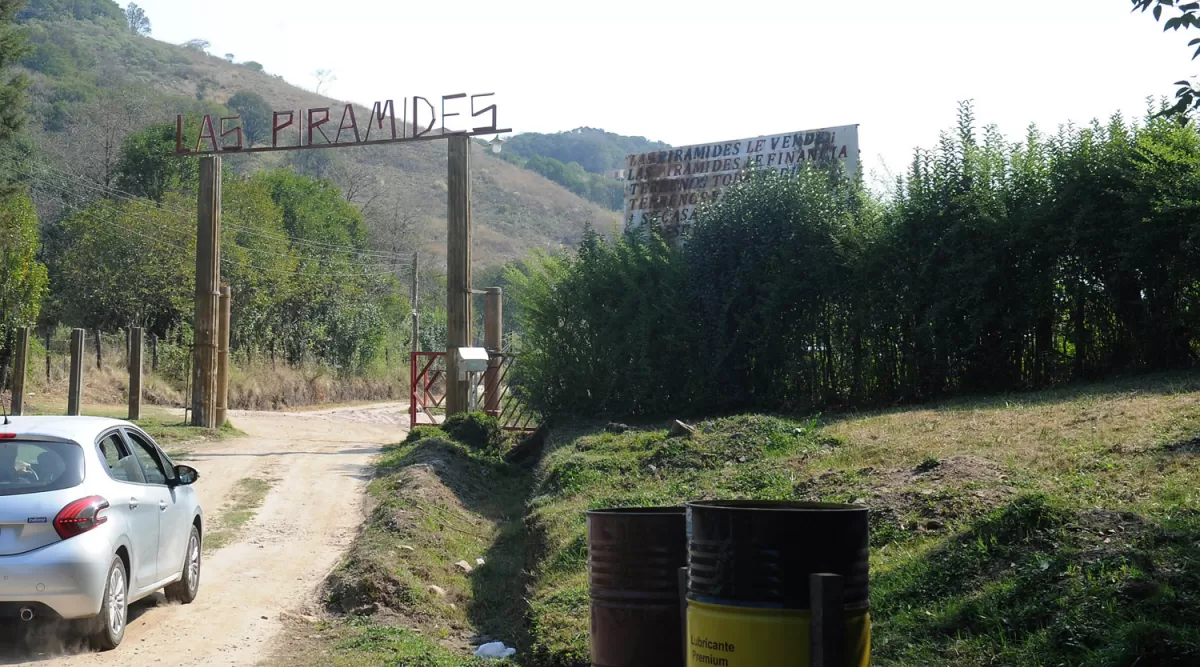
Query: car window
[[121, 463], [147, 453], [34, 467]]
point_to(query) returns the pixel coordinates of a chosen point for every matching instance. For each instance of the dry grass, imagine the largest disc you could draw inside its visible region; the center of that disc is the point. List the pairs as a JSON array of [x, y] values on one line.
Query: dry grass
[[263, 386]]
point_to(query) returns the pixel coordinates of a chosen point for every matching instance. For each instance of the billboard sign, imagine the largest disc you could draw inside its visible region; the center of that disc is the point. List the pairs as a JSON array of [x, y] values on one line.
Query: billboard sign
[[668, 185]]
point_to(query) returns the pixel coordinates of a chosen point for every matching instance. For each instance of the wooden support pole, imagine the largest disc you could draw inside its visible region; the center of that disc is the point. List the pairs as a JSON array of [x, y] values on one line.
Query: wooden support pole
[[827, 625], [75, 387], [99, 349], [208, 285], [493, 340], [20, 371], [458, 269], [136, 345], [223, 356], [47, 356], [154, 353], [416, 317]]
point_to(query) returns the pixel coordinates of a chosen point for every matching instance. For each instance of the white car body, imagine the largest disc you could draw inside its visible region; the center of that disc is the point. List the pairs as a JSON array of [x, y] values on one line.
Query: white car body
[[46, 568]]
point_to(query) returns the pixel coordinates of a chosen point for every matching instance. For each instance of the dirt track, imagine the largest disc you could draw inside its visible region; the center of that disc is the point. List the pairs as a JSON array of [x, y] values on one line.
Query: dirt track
[[319, 463]]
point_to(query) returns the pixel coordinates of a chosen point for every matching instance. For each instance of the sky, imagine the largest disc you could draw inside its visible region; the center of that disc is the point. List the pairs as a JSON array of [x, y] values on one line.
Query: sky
[[703, 71]]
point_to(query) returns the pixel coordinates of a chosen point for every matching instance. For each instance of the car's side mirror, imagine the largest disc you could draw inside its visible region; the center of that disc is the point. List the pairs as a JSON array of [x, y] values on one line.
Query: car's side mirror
[[185, 475]]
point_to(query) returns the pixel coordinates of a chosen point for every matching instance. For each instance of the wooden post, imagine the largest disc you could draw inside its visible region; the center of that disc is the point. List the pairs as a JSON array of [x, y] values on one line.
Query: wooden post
[[136, 341], [458, 269], [99, 349], [222, 404], [416, 317], [154, 353], [208, 285], [493, 340], [75, 388], [20, 371], [47, 356], [827, 625]]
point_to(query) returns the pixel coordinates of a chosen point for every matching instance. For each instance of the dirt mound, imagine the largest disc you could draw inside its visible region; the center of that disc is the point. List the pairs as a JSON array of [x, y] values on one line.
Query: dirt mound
[[927, 497]]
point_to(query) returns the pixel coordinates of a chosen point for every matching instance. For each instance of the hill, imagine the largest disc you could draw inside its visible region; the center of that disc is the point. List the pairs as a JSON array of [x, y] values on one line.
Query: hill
[[580, 160], [593, 149], [94, 80]]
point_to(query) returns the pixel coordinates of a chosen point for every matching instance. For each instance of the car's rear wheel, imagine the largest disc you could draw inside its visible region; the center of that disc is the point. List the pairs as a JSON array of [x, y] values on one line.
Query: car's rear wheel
[[108, 629], [185, 590]]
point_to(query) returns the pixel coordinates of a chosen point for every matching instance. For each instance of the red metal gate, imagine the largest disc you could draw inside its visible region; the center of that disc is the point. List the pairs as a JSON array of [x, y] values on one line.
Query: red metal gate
[[494, 395]]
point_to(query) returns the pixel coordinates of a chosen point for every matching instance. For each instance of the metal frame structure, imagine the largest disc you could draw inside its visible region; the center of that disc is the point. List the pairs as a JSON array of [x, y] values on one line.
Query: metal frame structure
[[423, 401]]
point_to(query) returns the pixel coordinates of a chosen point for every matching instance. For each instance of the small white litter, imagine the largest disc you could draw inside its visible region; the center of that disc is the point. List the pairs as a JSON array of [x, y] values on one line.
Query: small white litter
[[494, 650], [479, 561]]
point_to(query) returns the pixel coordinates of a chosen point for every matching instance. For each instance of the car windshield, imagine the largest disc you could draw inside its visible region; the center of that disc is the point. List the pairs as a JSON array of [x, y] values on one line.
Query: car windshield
[[34, 467]]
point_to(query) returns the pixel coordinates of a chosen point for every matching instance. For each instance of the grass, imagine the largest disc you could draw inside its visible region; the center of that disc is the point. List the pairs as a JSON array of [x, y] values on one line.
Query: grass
[[436, 503], [248, 495], [1057, 528]]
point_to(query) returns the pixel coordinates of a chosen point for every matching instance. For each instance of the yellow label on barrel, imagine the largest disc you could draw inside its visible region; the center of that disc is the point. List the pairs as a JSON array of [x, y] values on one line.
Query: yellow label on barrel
[[725, 636]]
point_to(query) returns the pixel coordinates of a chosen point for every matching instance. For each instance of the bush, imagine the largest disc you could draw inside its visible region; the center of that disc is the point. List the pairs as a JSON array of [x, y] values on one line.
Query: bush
[[423, 432], [473, 429]]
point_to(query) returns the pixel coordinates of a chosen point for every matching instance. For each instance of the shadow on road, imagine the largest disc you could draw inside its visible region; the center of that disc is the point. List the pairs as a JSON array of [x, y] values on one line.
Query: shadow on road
[[40, 640]]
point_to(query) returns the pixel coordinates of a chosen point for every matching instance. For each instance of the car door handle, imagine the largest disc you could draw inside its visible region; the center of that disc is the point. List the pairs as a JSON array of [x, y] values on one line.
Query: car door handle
[[133, 503], [162, 505]]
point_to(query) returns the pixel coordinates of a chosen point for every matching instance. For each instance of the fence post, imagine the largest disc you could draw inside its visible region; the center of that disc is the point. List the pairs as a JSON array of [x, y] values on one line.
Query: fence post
[[99, 349], [154, 353], [135, 373], [20, 371], [493, 340], [222, 403], [47, 356], [75, 388]]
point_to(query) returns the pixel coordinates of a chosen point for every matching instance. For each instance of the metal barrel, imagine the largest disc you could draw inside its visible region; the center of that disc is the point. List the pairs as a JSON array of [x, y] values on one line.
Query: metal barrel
[[634, 556], [750, 564]]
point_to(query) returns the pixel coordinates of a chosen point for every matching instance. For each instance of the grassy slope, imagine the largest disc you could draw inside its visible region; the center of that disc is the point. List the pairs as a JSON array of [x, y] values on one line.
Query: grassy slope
[[514, 209], [435, 503], [1058, 528]]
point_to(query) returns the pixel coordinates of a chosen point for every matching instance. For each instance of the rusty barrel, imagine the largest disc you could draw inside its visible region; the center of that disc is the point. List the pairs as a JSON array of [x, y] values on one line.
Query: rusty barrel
[[634, 556], [750, 564]]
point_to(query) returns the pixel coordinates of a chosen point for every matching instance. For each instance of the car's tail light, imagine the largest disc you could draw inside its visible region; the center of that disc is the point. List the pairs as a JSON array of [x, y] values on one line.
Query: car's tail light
[[80, 516]]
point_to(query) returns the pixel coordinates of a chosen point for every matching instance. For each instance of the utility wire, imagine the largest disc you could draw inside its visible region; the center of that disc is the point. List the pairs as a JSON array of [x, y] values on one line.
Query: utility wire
[[227, 220], [53, 189]]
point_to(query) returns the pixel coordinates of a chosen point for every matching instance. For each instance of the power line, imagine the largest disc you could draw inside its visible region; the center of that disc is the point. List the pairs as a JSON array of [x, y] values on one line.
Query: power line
[[228, 220], [49, 188]]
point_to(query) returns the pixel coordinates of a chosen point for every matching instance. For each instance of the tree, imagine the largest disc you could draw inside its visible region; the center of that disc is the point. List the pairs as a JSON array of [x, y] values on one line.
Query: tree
[[325, 77], [12, 86], [251, 64], [127, 263], [147, 168], [200, 45], [138, 22], [22, 277], [256, 115], [229, 57], [1188, 95]]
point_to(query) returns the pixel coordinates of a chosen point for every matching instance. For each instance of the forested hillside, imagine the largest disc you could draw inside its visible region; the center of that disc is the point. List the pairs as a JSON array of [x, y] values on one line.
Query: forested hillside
[[94, 79], [98, 220], [579, 160]]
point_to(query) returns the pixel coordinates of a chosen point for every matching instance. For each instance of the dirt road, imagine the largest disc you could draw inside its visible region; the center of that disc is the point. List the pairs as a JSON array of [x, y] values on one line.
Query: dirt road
[[318, 464]]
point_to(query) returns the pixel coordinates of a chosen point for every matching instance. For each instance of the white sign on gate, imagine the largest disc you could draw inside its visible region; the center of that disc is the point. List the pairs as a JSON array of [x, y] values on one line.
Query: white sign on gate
[[669, 184]]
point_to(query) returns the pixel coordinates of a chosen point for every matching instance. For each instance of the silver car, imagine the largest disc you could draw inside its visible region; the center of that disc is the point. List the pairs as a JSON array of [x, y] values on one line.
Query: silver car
[[93, 516]]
